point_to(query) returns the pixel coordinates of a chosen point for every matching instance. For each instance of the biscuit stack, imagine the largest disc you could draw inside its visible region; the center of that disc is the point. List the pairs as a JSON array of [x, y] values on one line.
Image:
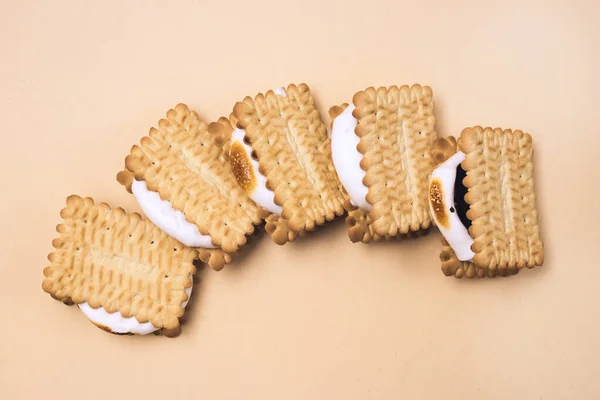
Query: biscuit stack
[[205, 187]]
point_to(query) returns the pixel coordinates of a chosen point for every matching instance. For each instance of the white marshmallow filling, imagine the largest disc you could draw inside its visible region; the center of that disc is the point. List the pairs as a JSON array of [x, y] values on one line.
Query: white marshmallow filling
[[171, 221], [347, 158], [257, 189], [118, 324], [448, 206], [246, 170]]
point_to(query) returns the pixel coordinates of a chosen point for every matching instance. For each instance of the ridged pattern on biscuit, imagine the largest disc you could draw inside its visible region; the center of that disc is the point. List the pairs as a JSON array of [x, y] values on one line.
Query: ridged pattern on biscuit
[[396, 131], [294, 154], [443, 149], [501, 198], [118, 261], [183, 161]]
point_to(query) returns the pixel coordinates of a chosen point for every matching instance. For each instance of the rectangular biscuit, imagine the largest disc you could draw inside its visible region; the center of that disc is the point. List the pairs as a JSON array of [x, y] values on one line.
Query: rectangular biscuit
[[443, 149], [293, 150], [501, 198], [396, 127], [120, 262], [358, 222], [184, 162]]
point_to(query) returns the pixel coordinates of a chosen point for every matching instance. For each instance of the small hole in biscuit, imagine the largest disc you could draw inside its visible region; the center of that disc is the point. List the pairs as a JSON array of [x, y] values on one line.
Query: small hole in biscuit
[[166, 276], [247, 141], [153, 163], [174, 249], [108, 229], [152, 242]]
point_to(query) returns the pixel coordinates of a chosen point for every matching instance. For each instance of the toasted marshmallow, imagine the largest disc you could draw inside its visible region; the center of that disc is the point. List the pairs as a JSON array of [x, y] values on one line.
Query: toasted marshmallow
[[441, 205], [171, 221], [347, 158], [116, 323], [245, 170]]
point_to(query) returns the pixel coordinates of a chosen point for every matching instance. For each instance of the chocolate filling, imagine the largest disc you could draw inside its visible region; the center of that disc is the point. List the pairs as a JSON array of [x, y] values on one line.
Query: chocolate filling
[[459, 197]]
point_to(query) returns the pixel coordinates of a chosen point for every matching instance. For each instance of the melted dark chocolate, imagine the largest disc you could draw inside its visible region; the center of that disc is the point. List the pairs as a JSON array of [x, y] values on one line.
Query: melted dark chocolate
[[459, 197]]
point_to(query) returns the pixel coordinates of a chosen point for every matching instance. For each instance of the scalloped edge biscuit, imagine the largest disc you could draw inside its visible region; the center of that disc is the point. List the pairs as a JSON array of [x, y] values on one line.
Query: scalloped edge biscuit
[[121, 262], [444, 148], [396, 170], [501, 198], [183, 160], [291, 145]]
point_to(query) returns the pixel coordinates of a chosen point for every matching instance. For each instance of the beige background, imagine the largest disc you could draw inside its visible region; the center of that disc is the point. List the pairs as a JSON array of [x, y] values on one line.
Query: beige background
[[321, 318]]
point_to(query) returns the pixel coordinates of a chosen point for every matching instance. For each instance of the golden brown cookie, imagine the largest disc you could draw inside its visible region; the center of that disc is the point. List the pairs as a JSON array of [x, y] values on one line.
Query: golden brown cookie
[[290, 144], [106, 258], [183, 161], [396, 127], [501, 198], [500, 201]]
